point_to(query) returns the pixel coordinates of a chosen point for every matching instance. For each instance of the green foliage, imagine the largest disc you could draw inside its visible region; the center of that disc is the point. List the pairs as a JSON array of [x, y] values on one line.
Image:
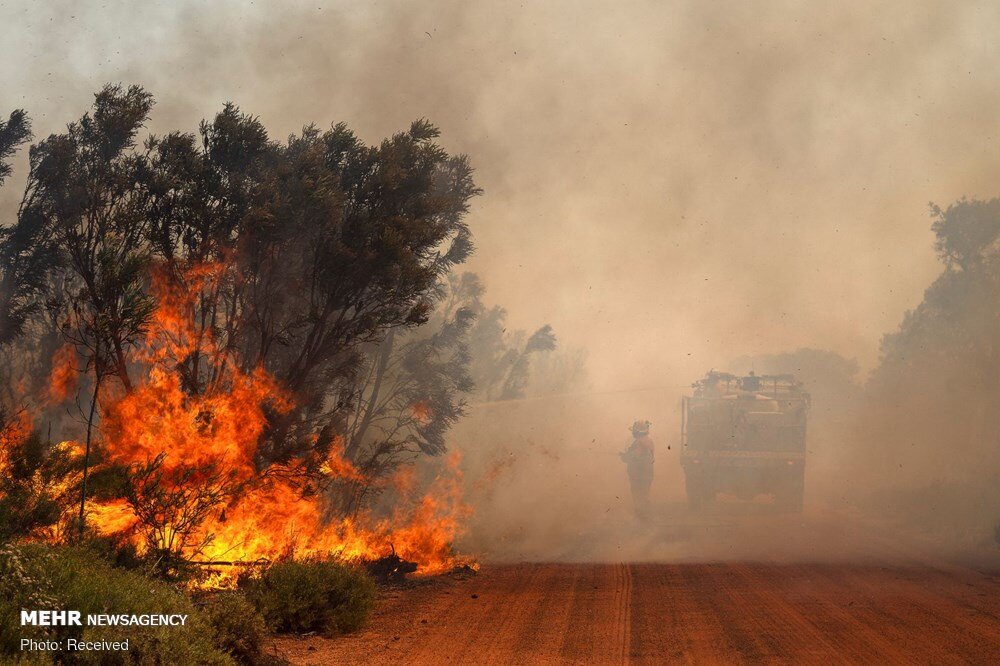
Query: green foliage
[[117, 549], [238, 628], [43, 577], [24, 583], [313, 595]]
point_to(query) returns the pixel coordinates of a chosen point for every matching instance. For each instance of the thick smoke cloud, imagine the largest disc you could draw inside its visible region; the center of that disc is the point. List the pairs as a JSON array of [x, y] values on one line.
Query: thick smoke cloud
[[671, 185], [674, 183]]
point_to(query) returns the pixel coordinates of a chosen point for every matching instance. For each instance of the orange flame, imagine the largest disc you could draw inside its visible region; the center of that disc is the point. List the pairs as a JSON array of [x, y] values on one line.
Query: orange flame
[[63, 377], [12, 433], [111, 517], [421, 412], [208, 439]]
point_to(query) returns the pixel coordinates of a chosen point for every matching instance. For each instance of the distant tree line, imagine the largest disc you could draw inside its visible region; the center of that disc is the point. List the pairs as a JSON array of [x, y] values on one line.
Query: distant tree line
[[920, 436], [935, 395]]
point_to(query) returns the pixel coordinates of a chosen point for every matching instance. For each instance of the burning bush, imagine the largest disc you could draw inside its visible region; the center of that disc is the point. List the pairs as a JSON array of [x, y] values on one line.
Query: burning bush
[[33, 477], [213, 310], [314, 595], [171, 511]]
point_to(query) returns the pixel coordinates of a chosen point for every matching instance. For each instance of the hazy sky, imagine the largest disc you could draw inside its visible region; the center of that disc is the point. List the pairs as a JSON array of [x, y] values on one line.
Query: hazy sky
[[669, 184]]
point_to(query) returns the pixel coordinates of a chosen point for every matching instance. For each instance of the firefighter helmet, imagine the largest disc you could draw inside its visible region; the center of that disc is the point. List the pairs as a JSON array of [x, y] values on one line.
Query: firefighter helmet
[[640, 428]]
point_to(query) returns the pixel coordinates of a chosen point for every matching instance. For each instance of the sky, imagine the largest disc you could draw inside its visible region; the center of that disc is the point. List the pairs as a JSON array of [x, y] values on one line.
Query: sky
[[669, 184]]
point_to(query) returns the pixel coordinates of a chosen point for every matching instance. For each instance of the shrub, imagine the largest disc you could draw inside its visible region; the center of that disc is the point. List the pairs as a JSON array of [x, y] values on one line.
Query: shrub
[[44, 577], [238, 629], [28, 484], [118, 550], [314, 595], [23, 584]]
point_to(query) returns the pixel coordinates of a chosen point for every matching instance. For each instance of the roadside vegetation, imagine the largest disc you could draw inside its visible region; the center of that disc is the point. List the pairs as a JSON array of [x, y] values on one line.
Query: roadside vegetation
[[323, 596], [222, 627], [43, 577], [311, 283], [232, 269]]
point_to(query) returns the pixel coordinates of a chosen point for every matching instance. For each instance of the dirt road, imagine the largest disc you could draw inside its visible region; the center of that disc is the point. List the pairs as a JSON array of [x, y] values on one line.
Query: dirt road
[[691, 613]]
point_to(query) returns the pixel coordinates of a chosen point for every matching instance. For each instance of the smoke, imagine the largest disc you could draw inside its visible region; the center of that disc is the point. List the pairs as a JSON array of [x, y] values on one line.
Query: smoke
[[670, 185], [890, 475], [704, 178]]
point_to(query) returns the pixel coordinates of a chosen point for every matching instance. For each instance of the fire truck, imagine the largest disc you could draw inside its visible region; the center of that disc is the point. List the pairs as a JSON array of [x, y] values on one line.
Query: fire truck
[[745, 436]]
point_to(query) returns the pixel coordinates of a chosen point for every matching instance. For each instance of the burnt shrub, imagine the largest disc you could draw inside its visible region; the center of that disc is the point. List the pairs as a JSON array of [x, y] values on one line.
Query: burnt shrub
[[43, 577], [327, 596]]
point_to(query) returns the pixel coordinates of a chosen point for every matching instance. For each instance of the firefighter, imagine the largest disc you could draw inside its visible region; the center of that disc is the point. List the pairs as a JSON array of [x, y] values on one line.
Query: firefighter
[[639, 461]]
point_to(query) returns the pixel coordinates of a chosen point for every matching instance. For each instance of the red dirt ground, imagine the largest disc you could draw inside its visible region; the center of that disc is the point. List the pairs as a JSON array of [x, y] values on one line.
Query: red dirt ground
[[678, 613]]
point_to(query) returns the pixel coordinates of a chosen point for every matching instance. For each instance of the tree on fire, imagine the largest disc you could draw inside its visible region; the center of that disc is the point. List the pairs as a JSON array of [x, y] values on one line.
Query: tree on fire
[[416, 383], [29, 471], [298, 257], [30, 474], [411, 394]]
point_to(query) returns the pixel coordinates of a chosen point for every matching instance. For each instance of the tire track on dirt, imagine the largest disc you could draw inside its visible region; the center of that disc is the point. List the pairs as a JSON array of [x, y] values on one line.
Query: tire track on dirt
[[485, 614], [785, 630], [821, 602], [623, 615], [678, 613], [937, 629], [670, 635], [589, 637]]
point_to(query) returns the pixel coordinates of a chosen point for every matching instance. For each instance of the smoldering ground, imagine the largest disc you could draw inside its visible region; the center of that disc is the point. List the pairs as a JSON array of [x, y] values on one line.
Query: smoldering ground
[[670, 185]]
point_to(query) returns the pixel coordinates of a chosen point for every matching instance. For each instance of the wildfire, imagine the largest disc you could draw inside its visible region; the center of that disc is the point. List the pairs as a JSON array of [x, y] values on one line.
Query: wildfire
[[421, 412], [198, 487], [111, 517], [275, 521], [62, 379], [12, 433]]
